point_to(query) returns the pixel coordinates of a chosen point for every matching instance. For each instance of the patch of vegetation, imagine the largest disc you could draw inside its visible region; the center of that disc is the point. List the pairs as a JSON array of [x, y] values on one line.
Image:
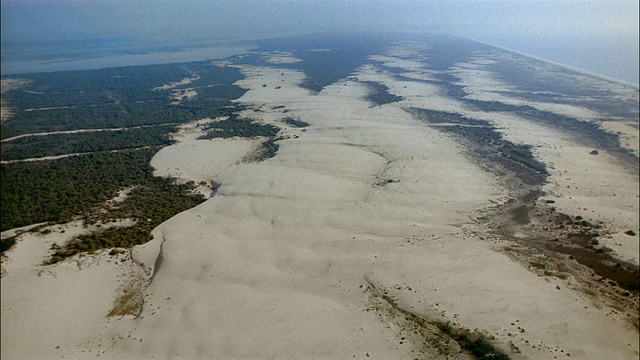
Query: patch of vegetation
[[60, 144], [296, 122], [380, 94], [583, 238], [474, 343], [234, 126], [42, 191], [62, 190], [268, 149], [471, 342], [150, 205], [488, 145], [129, 302], [7, 243]]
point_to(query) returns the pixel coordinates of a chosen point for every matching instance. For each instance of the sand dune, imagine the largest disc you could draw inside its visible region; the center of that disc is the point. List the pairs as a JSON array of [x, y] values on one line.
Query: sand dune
[[322, 251]]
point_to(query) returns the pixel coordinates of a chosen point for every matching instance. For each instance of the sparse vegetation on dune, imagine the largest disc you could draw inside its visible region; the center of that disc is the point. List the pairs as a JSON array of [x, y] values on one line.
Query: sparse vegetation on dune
[[296, 122], [380, 94], [61, 190], [429, 334], [149, 205], [234, 126], [489, 145]]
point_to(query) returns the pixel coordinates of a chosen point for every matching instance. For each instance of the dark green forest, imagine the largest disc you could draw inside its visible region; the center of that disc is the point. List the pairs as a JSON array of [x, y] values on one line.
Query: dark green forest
[[60, 144], [117, 97], [75, 187], [57, 190]]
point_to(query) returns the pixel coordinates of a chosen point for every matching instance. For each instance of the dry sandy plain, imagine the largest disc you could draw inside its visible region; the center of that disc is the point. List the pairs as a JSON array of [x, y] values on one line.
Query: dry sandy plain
[[360, 239]]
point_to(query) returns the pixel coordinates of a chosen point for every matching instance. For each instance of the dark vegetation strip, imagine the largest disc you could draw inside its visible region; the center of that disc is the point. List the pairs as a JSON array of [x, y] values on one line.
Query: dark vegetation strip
[[7, 243], [489, 147], [66, 189], [380, 95], [296, 122], [268, 149], [235, 126], [579, 239], [473, 343], [61, 144], [588, 133]]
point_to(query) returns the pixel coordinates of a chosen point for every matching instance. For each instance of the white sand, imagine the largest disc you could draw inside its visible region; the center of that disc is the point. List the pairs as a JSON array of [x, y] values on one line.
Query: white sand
[[184, 81], [5, 85], [47, 310], [276, 264]]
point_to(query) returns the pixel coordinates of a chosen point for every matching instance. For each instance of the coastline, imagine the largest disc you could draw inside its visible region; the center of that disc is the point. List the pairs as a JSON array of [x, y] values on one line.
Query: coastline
[[562, 65]]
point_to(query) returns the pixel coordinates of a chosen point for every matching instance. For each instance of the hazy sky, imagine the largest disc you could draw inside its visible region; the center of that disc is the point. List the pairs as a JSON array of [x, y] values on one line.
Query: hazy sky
[[600, 36]]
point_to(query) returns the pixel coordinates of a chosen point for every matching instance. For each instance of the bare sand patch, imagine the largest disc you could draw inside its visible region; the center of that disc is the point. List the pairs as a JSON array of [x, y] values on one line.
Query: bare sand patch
[[277, 241], [38, 301], [201, 160], [280, 57], [180, 95], [184, 81]]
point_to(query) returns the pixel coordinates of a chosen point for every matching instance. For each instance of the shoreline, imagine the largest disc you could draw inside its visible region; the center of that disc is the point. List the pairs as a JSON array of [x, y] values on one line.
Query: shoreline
[[562, 65]]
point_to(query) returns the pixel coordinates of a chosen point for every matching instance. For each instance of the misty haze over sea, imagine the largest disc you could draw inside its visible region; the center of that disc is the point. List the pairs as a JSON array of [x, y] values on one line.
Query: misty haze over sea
[[597, 36]]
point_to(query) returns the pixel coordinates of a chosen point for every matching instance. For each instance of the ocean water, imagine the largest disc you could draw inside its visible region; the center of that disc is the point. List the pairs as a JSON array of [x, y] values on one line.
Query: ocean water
[[612, 55]]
